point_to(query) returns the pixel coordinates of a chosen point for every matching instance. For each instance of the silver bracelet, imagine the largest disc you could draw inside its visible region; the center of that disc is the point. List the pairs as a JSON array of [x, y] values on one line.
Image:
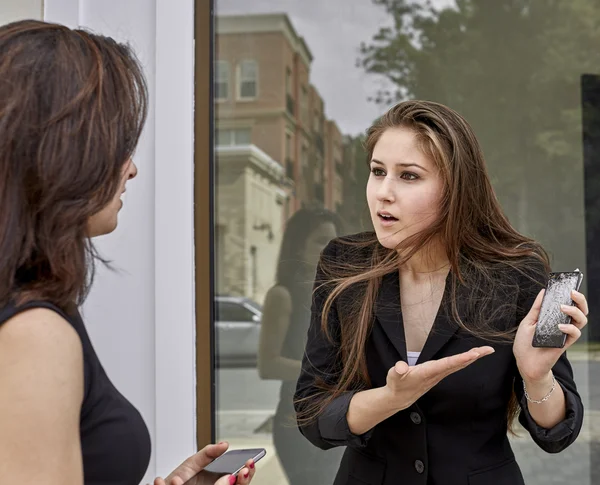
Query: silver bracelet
[[546, 397]]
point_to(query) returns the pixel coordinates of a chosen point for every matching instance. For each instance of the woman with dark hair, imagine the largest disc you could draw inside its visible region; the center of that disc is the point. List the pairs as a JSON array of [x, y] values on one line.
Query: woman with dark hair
[[419, 354], [286, 316], [72, 108]]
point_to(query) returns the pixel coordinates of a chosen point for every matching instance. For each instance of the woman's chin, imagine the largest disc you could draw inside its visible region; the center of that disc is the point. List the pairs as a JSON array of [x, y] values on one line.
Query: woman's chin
[[102, 228], [388, 239]]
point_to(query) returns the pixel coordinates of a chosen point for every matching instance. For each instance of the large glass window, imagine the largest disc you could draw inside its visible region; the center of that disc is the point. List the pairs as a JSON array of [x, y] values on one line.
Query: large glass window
[[525, 74]]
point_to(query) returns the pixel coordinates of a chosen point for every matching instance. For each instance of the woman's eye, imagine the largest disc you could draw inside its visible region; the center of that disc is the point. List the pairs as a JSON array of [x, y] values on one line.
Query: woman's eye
[[378, 172], [409, 176]]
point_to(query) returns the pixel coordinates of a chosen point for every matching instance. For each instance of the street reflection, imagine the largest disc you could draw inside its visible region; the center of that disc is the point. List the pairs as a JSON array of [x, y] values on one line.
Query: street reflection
[[294, 92]]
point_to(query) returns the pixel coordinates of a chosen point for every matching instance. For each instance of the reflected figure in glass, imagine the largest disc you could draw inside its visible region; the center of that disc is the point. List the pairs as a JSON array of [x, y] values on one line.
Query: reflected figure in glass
[[286, 316]]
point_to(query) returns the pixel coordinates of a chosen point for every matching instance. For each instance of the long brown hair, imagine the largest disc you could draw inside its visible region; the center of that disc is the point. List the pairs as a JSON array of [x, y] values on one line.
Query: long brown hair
[[478, 239], [72, 108]]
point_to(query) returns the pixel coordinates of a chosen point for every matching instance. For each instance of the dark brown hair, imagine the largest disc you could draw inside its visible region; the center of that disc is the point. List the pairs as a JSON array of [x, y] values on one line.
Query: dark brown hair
[[479, 241], [298, 228], [72, 108]]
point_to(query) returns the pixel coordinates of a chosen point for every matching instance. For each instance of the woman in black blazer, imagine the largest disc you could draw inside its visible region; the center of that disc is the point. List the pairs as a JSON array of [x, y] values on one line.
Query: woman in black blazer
[[419, 354]]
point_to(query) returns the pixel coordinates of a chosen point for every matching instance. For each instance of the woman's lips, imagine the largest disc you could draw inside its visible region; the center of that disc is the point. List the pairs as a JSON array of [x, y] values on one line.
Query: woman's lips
[[386, 219]]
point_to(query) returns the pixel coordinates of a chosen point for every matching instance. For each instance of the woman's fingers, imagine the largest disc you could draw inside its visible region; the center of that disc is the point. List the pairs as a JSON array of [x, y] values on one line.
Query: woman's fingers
[[243, 477], [401, 368], [252, 467], [438, 369], [226, 480], [578, 318], [572, 332], [581, 302]]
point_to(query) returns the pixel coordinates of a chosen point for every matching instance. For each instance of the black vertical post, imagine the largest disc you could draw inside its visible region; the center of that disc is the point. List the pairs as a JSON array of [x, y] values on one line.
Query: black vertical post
[[590, 104], [590, 101]]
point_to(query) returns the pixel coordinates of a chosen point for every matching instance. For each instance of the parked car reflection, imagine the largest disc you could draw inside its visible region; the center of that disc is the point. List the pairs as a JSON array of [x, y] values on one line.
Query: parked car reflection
[[237, 322]]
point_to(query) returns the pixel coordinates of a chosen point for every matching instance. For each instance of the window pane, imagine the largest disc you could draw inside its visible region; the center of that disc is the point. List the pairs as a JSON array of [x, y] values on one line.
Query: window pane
[[249, 70], [248, 79], [233, 312], [242, 136], [248, 89], [222, 80], [224, 137], [521, 73]]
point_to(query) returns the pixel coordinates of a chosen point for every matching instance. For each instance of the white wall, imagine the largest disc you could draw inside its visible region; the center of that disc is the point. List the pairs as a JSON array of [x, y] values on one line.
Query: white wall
[[141, 319], [11, 10]]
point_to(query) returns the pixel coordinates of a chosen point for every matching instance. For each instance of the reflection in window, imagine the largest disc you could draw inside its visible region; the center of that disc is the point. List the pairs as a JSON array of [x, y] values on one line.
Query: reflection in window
[[304, 106], [253, 271], [488, 79], [288, 81], [288, 145], [233, 137], [229, 311], [248, 79], [222, 80]]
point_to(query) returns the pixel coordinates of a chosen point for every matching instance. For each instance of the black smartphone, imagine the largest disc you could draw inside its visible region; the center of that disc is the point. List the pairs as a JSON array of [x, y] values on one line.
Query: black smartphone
[[558, 292], [231, 462]]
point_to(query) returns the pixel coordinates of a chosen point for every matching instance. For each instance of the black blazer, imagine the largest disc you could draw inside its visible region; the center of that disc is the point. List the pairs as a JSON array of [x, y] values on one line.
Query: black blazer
[[456, 434]]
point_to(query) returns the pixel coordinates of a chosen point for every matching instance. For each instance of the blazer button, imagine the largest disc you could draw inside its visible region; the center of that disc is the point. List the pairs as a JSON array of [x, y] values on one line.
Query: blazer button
[[419, 466], [415, 418]]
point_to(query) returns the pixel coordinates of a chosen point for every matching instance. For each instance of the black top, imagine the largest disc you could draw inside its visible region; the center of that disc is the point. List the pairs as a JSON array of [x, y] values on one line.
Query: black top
[[115, 442], [457, 432]]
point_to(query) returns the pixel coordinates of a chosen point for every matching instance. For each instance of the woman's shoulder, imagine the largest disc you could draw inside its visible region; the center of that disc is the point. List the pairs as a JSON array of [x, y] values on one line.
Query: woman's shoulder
[[278, 297], [42, 337], [350, 247], [531, 270], [525, 274]]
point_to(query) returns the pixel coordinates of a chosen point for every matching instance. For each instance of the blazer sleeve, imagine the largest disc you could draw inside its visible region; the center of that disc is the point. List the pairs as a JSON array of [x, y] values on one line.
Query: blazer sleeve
[[321, 364], [559, 437]]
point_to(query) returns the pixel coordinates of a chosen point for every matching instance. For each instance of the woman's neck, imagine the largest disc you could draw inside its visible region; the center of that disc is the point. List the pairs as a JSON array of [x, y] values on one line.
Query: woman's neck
[[429, 261]]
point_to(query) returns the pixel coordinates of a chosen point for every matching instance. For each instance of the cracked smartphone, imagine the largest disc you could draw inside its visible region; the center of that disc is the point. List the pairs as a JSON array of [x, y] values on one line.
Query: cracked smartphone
[[558, 292]]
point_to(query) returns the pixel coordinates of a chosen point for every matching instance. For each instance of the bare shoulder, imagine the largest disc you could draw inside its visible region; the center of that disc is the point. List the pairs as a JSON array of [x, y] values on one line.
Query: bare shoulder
[[40, 330], [41, 377], [278, 298], [38, 347]]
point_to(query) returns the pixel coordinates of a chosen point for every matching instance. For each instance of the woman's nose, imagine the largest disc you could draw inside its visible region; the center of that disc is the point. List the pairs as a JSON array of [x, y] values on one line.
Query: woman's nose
[[386, 192], [133, 170]]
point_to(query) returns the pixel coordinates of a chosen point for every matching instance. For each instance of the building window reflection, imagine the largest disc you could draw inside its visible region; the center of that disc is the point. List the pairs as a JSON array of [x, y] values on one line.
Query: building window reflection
[[222, 75], [233, 137], [248, 80]]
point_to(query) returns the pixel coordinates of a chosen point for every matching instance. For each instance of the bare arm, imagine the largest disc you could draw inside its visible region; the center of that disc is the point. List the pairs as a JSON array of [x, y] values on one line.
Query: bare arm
[[41, 382], [369, 408], [277, 311]]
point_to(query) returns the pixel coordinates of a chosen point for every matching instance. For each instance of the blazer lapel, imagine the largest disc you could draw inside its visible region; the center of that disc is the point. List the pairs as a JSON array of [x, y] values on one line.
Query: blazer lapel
[[389, 312], [444, 325]]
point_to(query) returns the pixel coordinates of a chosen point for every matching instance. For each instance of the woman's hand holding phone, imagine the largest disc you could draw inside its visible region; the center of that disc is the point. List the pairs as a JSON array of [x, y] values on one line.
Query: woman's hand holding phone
[[535, 363], [190, 472]]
